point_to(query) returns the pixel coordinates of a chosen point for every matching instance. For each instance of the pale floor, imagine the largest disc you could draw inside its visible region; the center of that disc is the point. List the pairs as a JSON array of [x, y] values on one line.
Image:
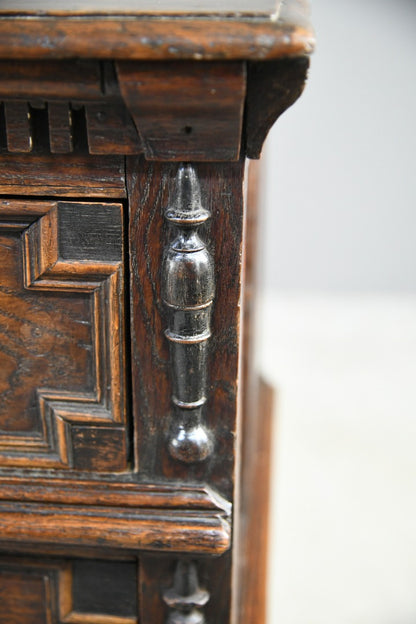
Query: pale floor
[[343, 544]]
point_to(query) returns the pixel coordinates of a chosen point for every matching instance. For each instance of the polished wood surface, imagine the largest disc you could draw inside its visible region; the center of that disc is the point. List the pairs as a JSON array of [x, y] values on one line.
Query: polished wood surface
[[183, 108], [54, 287], [77, 176], [255, 538], [134, 434], [106, 516], [216, 35]]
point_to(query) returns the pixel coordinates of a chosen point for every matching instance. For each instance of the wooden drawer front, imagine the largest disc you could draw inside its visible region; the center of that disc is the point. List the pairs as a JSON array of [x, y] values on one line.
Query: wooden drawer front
[[146, 589], [73, 591], [61, 336]]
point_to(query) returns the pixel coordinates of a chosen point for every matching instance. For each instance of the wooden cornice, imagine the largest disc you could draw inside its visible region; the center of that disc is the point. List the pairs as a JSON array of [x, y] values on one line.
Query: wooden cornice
[[182, 111], [44, 30], [219, 83]]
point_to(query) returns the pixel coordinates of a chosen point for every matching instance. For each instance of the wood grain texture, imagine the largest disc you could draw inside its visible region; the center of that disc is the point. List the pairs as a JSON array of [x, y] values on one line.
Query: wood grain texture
[[253, 549], [61, 312], [37, 79], [188, 291], [64, 106], [272, 88], [24, 597], [251, 521], [171, 111], [109, 528], [124, 491], [18, 131], [151, 187], [60, 128], [110, 129], [44, 590], [105, 516], [78, 477], [48, 590], [149, 38], [187, 110], [102, 587], [64, 176]]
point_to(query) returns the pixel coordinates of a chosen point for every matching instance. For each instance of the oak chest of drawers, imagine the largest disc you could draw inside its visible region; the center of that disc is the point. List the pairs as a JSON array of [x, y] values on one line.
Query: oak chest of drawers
[[134, 434]]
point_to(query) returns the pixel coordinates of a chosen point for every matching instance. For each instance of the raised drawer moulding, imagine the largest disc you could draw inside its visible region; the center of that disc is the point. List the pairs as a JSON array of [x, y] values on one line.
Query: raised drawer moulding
[[125, 516]]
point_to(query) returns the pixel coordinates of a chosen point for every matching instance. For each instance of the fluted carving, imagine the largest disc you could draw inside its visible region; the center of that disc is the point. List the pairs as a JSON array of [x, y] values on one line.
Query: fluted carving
[[188, 292], [185, 597]]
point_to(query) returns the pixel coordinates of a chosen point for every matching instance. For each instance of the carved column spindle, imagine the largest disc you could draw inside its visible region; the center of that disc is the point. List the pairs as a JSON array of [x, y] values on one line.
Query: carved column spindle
[[188, 292], [185, 598]]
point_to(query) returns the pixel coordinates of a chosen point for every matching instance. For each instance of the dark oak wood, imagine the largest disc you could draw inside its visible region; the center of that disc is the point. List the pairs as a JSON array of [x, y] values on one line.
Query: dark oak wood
[[151, 188], [110, 129], [173, 111], [113, 528], [134, 433], [271, 88], [61, 331], [23, 597], [17, 126], [254, 549], [66, 176], [181, 109], [60, 128], [74, 79], [213, 37], [64, 591], [64, 106], [105, 516]]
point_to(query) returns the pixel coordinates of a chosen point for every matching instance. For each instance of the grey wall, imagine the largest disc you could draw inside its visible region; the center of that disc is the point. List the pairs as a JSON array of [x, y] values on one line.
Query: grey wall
[[341, 164]]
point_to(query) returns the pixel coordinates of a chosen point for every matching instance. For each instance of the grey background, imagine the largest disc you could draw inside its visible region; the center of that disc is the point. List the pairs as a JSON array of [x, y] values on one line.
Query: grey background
[[341, 181], [338, 324]]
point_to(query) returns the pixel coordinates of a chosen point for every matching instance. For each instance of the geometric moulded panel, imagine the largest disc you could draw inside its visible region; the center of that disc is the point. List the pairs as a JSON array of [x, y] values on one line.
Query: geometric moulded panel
[[61, 336], [53, 591]]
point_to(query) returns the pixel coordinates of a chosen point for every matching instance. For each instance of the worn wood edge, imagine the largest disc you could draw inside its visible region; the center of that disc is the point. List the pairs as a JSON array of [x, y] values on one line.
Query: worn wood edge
[[63, 175], [267, 88], [272, 87], [111, 494], [128, 529], [185, 111], [253, 550], [152, 39]]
